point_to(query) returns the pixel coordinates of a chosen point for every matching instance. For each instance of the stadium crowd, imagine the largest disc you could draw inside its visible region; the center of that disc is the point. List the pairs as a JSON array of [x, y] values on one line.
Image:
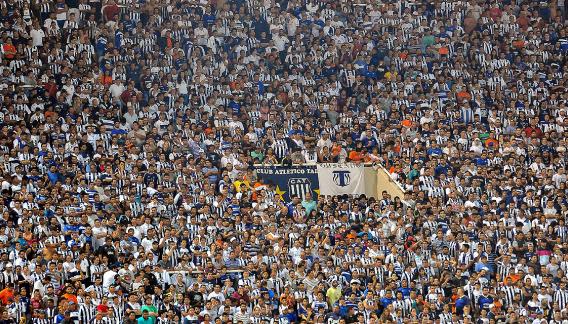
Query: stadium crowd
[[130, 128]]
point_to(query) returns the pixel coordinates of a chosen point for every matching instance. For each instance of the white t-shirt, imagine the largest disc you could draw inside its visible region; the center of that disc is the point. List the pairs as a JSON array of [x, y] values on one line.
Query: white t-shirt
[[97, 231], [116, 89], [37, 37], [108, 278], [219, 296]]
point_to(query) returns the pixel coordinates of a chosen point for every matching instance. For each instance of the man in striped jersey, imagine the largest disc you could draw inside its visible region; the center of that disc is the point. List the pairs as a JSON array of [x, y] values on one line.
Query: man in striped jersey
[[87, 310], [509, 291], [561, 295]]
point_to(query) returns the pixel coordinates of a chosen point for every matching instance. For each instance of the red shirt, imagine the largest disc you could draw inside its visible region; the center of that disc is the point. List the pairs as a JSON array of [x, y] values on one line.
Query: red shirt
[[529, 131], [51, 89], [102, 308], [110, 11], [495, 13], [126, 96]]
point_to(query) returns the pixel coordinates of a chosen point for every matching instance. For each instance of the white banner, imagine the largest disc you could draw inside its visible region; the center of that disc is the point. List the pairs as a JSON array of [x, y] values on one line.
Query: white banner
[[341, 178]]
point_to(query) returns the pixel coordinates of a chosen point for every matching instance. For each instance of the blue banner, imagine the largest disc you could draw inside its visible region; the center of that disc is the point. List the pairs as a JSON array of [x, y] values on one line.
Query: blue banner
[[289, 181]]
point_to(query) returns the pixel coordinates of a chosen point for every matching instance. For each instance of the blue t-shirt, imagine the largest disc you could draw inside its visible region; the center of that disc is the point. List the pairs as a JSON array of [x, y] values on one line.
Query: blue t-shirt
[[461, 303], [209, 19], [386, 301], [405, 291], [484, 302]]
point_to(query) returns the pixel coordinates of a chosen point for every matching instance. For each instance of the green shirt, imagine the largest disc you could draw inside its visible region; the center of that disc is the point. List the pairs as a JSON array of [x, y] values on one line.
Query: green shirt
[[257, 155], [413, 174], [149, 308], [428, 40], [149, 320], [309, 206]]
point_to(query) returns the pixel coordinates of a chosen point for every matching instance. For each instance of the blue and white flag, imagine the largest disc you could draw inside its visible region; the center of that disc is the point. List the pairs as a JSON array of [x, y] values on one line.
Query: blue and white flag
[[290, 181], [341, 178]]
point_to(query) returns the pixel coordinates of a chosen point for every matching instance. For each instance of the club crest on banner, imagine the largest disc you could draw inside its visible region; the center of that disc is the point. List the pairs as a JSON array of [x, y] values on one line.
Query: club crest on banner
[[342, 178], [299, 187]]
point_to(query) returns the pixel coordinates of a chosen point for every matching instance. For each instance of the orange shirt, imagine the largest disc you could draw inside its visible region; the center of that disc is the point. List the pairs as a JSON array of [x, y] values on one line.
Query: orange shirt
[[5, 295], [514, 278], [106, 80], [351, 236], [396, 148], [70, 297], [519, 43], [454, 298], [335, 150], [497, 304], [463, 95], [355, 156], [49, 113], [255, 192], [491, 142], [9, 50]]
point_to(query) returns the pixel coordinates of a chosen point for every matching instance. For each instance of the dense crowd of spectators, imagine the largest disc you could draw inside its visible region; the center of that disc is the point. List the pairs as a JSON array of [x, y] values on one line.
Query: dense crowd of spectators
[[130, 130]]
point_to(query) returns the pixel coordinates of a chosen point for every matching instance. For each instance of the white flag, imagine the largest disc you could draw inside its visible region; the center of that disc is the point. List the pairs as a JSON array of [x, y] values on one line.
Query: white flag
[[341, 178]]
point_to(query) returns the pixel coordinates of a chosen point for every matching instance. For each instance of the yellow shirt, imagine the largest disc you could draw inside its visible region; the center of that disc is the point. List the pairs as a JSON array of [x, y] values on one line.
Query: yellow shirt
[[333, 295], [238, 183], [390, 75]]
